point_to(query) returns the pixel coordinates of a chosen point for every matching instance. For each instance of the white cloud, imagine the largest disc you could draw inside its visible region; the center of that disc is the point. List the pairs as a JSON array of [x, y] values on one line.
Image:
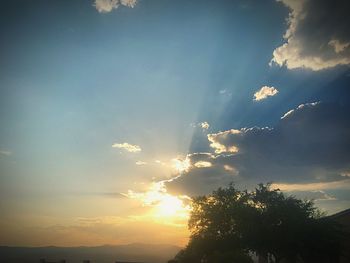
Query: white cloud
[[160, 162], [316, 38], [129, 3], [127, 147], [288, 113], [301, 106], [140, 163], [265, 92], [106, 6], [203, 164], [229, 168], [204, 125]]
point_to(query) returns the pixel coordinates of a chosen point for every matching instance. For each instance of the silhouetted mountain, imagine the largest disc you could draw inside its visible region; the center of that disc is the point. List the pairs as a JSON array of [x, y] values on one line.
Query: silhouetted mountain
[[101, 254]]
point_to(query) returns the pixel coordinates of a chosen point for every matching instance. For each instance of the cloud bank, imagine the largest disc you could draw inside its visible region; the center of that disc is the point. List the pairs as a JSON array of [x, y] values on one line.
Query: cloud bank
[[317, 36], [308, 148]]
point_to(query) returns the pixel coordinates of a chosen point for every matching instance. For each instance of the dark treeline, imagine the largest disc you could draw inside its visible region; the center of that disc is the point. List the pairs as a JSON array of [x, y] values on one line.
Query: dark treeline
[[230, 226]]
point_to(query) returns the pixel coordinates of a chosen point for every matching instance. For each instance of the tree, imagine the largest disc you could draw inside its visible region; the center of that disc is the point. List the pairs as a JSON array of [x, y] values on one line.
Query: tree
[[229, 225]]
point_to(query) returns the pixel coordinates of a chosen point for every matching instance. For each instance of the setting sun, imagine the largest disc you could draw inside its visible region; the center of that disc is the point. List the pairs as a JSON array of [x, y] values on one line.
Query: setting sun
[[171, 206], [162, 204], [181, 165]]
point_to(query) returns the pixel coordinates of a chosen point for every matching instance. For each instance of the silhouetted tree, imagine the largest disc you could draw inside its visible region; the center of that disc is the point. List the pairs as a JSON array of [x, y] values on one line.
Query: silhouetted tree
[[229, 225]]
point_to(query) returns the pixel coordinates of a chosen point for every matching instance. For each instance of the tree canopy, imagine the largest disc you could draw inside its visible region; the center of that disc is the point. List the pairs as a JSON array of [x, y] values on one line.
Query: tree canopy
[[231, 225]]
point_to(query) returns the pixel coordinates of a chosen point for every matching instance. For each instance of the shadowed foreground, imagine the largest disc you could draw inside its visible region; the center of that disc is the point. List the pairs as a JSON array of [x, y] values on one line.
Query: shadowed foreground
[[141, 253], [263, 225]]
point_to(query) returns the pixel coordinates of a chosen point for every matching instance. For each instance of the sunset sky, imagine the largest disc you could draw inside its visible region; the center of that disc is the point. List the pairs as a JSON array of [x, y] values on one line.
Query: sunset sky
[[114, 113]]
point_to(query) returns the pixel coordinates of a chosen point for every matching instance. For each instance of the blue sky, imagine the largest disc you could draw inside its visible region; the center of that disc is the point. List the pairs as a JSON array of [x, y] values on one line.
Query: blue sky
[[76, 81]]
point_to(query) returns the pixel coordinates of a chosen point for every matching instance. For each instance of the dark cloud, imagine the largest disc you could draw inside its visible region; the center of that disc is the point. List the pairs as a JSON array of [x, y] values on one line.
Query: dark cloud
[[310, 144], [318, 35]]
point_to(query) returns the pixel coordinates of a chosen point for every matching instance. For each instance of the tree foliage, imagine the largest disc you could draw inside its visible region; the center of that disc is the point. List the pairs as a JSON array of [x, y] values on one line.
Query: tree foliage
[[230, 225]]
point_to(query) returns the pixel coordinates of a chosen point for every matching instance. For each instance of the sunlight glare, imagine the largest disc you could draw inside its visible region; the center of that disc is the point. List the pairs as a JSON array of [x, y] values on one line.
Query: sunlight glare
[[181, 165], [164, 205]]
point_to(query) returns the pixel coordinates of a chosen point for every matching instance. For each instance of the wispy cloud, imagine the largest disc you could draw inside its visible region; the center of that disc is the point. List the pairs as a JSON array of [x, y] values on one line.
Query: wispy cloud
[[290, 112], [264, 93], [160, 162], [106, 6], [317, 195], [341, 184], [127, 147], [140, 163], [6, 153]]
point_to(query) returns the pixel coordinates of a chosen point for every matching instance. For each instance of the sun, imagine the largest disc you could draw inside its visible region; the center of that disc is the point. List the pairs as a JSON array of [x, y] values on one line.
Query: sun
[[170, 206], [181, 165], [163, 205]]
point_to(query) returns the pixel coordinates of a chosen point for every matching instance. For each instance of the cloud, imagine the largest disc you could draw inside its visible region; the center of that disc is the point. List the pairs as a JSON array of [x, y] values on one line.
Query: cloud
[[181, 164], [219, 147], [319, 186], [106, 6], [318, 195], [6, 153], [160, 162], [317, 37], [201, 179], [127, 147], [204, 125], [225, 92], [264, 93], [110, 194], [308, 149], [290, 112], [203, 164], [140, 163], [129, 3]]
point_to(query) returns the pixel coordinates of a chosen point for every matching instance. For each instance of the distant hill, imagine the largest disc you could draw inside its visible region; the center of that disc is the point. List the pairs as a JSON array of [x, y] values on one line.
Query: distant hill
[[101, 254]]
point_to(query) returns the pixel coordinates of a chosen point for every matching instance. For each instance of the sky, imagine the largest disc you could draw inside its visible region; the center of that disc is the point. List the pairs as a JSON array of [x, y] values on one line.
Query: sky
[[114, 113]]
